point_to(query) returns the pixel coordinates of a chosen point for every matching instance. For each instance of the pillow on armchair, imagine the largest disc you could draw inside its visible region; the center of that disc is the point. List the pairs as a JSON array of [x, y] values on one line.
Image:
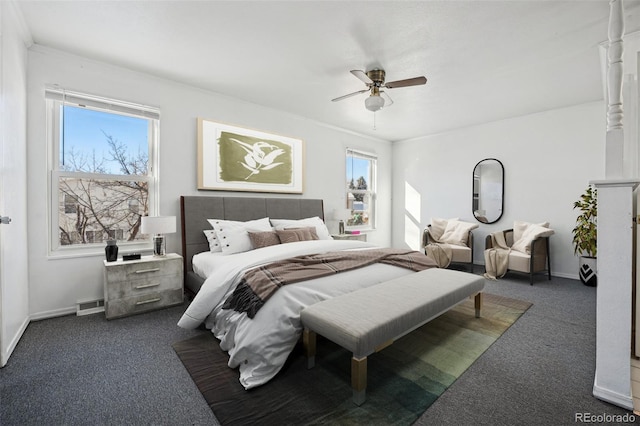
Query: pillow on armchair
[[457, 232], [519, 228], [527, 233], [438, 226]]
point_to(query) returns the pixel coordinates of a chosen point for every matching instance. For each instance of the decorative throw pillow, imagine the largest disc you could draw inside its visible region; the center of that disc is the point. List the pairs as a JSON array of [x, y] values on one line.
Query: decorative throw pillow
[[212, 238], [457, 232], [291, 235], [233, 235], [321, 228], [438, 226], [533, 231], [520, 227], [263, 239]]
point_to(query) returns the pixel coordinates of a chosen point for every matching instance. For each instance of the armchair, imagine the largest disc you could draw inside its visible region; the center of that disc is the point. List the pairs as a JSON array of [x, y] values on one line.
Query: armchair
[[460, 253], [529, 259]]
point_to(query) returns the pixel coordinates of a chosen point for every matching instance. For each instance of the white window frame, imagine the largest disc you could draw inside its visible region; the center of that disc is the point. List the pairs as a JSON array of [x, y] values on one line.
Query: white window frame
[[55, 98], [370, 191]]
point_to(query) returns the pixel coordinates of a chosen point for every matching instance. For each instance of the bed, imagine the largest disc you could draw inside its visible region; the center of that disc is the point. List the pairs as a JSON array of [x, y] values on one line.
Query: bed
[[259, 345], [196, 210]]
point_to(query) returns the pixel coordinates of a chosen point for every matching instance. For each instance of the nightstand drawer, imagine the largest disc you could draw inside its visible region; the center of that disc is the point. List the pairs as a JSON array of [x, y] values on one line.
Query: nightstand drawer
[[137, 270], [148, 284], [147, 302]]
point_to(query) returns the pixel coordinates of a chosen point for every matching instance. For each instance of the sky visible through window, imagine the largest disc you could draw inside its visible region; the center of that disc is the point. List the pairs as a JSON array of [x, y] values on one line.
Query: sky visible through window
[[357, 167], [83, 136]]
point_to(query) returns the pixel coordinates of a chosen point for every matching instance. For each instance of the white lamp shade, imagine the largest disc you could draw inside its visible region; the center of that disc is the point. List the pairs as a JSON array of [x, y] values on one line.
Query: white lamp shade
[[374, 102], [158, 225]]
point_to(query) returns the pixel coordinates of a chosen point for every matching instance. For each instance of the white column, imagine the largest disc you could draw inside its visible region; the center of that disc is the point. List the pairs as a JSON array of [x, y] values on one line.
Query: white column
[[630, 96], [614, 152], [612, 381], [613, 305]]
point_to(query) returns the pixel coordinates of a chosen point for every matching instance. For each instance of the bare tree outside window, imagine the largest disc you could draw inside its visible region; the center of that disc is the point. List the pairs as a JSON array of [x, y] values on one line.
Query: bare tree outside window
[[103, 185], [70, 203]]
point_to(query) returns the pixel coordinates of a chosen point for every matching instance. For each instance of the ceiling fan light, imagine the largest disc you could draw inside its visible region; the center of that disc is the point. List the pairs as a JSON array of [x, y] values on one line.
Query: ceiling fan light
[[374, 103]]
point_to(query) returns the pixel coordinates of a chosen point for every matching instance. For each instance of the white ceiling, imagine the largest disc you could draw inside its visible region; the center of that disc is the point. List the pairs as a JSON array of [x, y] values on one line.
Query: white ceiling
[[484, 60]]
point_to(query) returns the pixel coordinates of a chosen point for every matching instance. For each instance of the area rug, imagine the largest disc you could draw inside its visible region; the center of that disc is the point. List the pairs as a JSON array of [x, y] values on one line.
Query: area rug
[[404, 379]]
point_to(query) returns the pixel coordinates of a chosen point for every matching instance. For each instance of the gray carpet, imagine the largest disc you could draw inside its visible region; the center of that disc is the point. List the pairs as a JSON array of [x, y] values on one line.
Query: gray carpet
[[87, 370]]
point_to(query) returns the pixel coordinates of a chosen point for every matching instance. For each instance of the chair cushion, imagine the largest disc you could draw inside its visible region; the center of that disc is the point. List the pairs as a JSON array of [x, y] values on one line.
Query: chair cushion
[[519, 261], [460, 253]]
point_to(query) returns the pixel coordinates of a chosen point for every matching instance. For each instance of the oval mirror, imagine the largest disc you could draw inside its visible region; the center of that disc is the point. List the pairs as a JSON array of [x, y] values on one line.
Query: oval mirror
[[488, 190]]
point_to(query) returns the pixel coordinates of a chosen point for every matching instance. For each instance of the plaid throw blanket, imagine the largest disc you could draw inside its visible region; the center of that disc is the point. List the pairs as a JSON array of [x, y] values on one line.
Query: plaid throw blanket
[[259, 284]]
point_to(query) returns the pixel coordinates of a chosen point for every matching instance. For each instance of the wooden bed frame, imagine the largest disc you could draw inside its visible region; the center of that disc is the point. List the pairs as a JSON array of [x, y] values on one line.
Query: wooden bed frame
[[195, 210]]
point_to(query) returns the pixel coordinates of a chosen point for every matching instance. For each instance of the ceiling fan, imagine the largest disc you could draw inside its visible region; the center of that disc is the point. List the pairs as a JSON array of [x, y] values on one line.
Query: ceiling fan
[[374, 80]]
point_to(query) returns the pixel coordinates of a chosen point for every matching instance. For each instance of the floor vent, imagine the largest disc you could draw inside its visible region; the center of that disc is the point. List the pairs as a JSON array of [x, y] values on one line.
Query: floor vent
[[87, 307]]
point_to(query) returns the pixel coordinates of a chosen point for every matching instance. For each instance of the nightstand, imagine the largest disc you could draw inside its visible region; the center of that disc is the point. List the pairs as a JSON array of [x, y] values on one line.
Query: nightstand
[[136, 286], [359, 237]]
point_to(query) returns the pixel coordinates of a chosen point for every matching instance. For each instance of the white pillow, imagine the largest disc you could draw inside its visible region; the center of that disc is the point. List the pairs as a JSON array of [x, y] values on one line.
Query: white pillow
[[321, 228], [533, 231], [212, 238], [520, 227], [456, 232], [438, 225], [233, 236]]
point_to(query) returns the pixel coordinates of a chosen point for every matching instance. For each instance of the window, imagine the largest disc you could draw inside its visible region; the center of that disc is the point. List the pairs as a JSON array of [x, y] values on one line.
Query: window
[[103, 156], [361, 189]]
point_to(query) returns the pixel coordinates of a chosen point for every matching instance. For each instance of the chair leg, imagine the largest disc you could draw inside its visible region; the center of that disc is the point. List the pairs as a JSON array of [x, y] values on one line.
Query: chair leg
[[548, 261], [531, 267]]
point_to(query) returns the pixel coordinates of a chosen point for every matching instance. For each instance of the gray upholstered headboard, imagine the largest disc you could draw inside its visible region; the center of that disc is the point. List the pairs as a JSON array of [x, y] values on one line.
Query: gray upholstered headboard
[[195, 210]]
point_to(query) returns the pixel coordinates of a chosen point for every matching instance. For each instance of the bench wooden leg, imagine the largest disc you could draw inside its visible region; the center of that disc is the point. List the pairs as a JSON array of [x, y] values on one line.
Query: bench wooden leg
[[359, 379], [478, 303], [309, 343]]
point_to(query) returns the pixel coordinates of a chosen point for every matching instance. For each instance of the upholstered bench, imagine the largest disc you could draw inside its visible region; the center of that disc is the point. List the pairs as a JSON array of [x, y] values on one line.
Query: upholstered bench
[[368, 320]]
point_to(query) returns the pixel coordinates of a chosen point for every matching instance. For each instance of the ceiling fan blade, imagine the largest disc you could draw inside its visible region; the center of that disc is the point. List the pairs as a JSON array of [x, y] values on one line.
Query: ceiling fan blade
[[387, 99], [349, 95], [362, 76], [408, 82]]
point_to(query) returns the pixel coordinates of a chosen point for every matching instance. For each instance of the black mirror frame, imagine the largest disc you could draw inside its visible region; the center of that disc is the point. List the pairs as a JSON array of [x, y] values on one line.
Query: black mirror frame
[[475, 196]]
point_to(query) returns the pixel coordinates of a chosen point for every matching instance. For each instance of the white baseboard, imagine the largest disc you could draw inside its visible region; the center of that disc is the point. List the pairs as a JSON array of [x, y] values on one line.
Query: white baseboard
[[4, 356], [569, 276], [52, 314], [553, 274], [624, 401]]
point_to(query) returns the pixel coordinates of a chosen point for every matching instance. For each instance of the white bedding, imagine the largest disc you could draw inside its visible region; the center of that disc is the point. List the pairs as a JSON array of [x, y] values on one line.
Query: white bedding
[[260, 346]]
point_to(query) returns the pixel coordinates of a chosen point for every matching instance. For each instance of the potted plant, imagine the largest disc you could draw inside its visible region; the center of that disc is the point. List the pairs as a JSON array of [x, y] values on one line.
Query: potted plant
[[585, 235]]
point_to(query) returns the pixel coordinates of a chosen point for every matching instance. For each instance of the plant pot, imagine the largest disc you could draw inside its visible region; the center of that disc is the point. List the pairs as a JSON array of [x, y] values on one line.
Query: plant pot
[[588, 270]]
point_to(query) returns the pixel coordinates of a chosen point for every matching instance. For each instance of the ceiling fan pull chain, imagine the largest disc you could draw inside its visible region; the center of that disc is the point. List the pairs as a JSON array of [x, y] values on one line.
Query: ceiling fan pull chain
[[374, 120]]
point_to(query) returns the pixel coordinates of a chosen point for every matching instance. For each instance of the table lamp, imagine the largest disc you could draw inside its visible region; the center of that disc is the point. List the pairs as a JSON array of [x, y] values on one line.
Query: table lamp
[[158, 226]]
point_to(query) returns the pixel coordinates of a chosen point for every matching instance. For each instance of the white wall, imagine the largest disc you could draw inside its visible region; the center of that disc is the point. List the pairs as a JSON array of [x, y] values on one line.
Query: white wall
[[56, 284], [14, 288], [548, 157]]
